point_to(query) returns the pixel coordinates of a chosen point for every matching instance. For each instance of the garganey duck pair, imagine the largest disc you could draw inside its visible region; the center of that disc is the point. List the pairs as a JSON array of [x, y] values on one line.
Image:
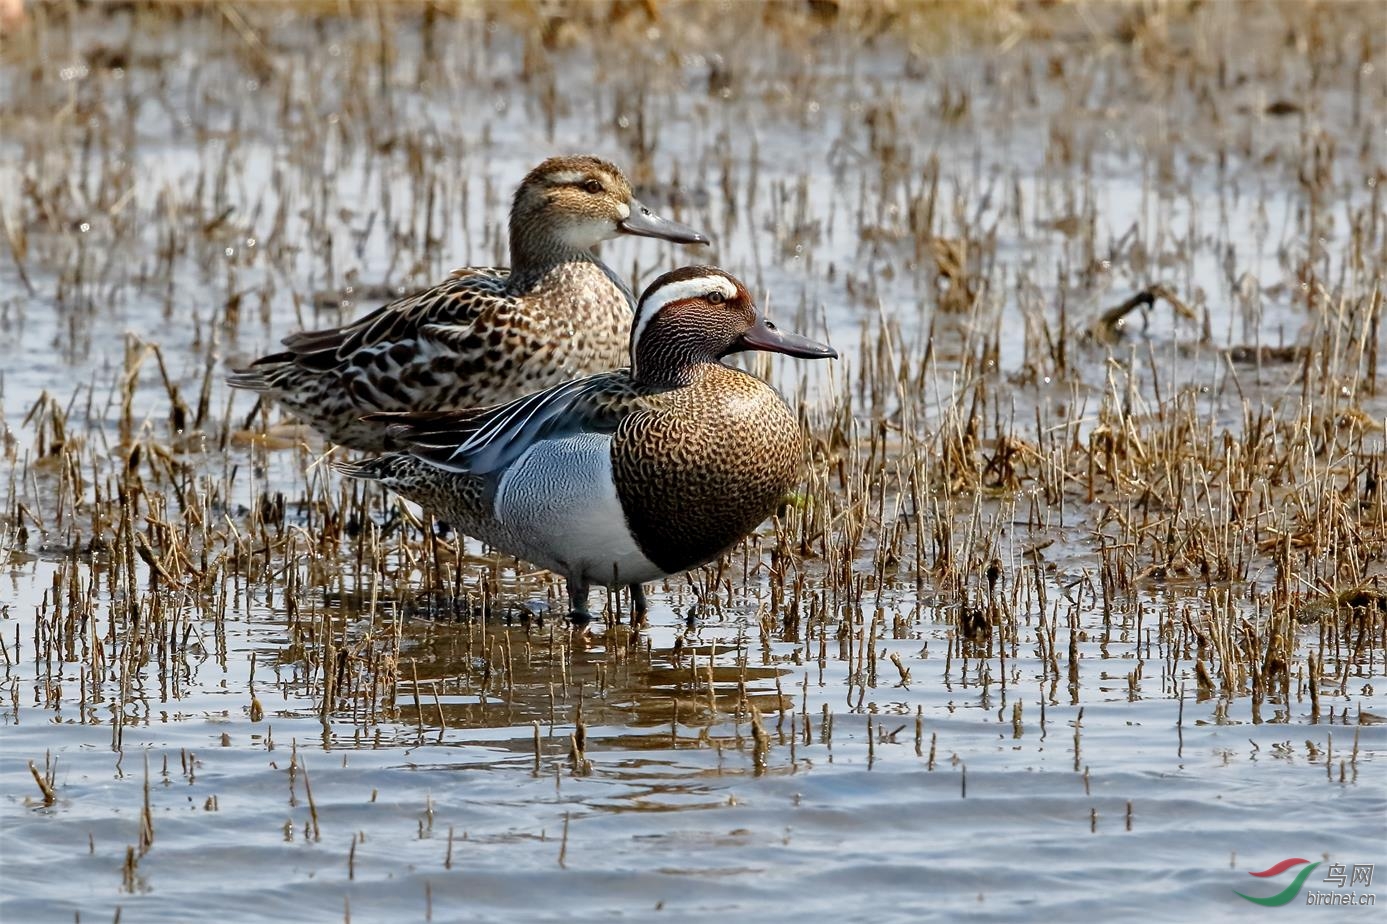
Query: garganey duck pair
[[617, 478], [623, 477]]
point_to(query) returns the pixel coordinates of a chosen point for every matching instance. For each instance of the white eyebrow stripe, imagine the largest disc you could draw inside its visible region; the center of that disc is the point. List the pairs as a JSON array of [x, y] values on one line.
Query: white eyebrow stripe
[[568, 177], [670, 293]]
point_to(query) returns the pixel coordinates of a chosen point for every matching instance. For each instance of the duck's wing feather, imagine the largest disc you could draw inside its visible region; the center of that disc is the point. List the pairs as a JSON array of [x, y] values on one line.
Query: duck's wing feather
[[481, 441], [469, 295]]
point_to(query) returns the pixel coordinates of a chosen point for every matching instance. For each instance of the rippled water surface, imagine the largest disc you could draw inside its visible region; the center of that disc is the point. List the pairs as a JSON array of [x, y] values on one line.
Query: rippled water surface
[[308, 737]]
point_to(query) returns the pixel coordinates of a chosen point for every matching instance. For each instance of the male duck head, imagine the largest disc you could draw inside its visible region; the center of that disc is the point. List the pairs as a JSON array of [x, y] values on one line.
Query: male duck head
[[578, 202], [699, 314]]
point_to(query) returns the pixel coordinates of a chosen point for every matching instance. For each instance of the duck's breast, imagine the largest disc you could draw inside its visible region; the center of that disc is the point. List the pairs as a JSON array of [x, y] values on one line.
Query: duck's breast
[[699, 474]]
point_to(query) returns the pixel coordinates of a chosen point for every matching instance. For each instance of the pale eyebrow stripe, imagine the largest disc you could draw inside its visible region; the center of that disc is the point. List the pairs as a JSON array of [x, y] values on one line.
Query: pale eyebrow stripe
[[671, 293], [568, 177]]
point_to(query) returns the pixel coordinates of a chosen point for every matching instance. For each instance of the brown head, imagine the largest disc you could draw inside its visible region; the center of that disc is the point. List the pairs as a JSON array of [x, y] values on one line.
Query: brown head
[[699, 314], [576, 202]]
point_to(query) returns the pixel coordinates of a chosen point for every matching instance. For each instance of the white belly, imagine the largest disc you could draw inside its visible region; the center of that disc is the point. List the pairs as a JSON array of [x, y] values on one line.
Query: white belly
[[559, 502]]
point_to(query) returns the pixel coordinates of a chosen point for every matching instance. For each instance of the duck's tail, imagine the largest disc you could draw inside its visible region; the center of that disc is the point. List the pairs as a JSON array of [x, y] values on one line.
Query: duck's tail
[[264, 375], [384, 468], [249, 379]]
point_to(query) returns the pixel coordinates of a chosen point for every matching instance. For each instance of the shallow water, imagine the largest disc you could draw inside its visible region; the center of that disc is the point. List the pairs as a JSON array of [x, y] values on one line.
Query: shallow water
[[986, 786]]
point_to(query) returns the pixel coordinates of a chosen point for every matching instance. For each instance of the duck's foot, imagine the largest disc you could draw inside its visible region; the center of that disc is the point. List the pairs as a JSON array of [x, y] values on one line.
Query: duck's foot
[[254, 412], [532, 613], [442, 606], [391, 523], [639, 606], [578, 612], [697, 613]]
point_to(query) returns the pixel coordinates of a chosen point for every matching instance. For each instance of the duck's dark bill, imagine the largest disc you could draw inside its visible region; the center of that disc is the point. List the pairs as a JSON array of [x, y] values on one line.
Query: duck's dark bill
[[766, 337], [645, 223]]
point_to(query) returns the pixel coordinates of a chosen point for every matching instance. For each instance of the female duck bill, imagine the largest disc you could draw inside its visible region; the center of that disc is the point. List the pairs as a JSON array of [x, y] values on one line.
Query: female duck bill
[[642, 222]]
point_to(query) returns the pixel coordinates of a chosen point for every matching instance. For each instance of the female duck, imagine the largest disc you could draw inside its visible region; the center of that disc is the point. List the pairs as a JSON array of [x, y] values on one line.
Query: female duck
[[485, 334], [623, 477]]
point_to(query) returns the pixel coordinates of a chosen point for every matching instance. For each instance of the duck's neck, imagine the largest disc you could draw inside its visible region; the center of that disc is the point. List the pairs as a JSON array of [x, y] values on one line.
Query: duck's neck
[[536, 248], [671, 365]]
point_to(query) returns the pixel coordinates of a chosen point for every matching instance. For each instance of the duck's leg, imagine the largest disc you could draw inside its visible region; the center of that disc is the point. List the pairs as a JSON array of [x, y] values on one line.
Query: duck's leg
[[639, 606], [578, 603]]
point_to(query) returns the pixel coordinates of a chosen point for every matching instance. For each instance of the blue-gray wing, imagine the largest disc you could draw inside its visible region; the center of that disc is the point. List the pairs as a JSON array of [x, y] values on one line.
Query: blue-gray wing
[[486, 440]]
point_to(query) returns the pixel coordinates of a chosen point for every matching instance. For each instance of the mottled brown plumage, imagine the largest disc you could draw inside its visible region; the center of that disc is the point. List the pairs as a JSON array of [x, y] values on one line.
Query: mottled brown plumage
[[700, 468], [485, 334], [627, 476]]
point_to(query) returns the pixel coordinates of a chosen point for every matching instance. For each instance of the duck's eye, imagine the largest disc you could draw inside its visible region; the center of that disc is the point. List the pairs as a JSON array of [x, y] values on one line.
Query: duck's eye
[[593, 186], [716, 297]]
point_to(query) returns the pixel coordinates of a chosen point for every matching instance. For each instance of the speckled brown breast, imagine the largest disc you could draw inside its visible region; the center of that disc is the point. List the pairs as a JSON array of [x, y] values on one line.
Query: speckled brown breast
[[706, 467]]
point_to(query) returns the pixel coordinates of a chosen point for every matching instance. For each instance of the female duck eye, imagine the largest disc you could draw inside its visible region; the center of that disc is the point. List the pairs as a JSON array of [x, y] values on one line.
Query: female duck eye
[[716, 297], [592, 186]]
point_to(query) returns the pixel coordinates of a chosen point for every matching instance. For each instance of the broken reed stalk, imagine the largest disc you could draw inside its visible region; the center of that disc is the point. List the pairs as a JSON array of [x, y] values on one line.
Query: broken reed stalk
[[45, 785]]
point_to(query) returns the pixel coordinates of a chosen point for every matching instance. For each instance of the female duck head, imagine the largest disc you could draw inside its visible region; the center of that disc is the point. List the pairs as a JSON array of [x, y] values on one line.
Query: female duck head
[[574, 203]]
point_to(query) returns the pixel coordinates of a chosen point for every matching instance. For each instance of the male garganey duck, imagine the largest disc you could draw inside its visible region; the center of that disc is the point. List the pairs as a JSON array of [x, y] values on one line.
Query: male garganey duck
[[485, 335], [627, 476]]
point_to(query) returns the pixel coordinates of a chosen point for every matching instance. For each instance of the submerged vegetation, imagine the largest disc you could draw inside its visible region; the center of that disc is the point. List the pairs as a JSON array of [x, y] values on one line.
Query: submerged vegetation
[[1108, 434]]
